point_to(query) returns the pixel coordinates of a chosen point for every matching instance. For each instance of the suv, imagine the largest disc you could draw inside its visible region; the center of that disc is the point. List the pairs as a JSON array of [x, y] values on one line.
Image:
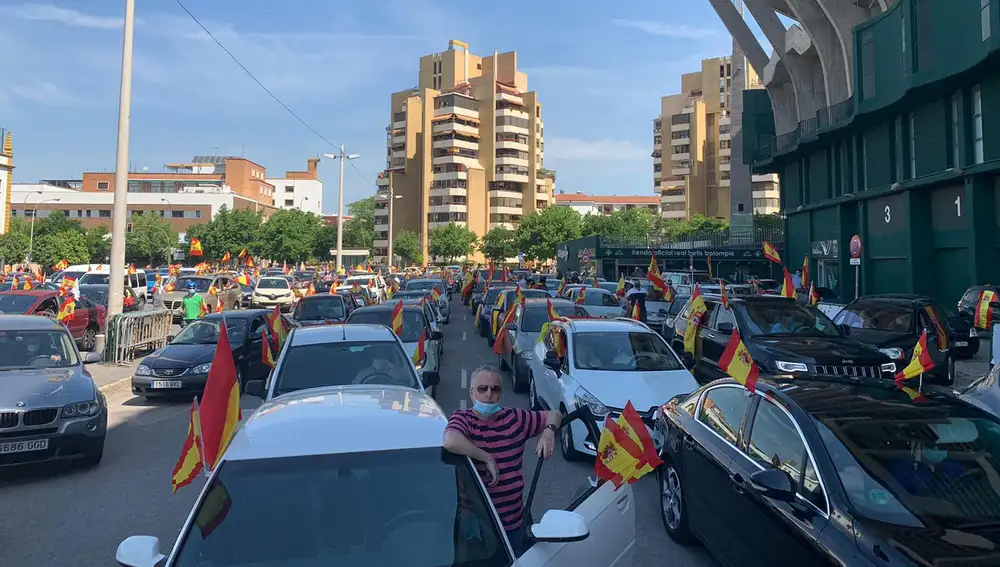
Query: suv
[[444, 300], [784, 338]]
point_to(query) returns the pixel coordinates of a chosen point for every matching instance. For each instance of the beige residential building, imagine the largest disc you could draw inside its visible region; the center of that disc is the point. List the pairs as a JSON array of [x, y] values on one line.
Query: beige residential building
[[692, 147], [465, 145], [6, 177]]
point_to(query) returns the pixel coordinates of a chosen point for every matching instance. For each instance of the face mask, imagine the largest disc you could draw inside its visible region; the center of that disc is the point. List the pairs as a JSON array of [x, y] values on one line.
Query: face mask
[[485, 408], [935, 455]]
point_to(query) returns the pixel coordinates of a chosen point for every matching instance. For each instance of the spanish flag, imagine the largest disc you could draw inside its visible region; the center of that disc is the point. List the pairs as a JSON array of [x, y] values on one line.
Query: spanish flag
[[625, 451], [736, 362], [131, 269], [805, 272], [984, 313], [397, 318], [691, 334], [723, 294], [242, 279], [226, 257], [787, 285], [204, 308], [266, 350], [278, 327], [420, 354], [920, 362], [552, 316], [218, 306], [470, 283], [214, 509], [220, 404], [196, 249], [562, 287], [190, 464], [435, 294], [943, 340], [212, 290], [653, 275], [559, 343], [495, 317], [66, 312], [500, 346], [771, 253], [242, 254], [582, 298], [813, 294], [620, 290], [636, 312], [61, 265]]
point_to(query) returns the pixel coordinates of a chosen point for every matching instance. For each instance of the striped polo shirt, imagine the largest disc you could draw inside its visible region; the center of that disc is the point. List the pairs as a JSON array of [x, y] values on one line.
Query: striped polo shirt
[[503, 437]]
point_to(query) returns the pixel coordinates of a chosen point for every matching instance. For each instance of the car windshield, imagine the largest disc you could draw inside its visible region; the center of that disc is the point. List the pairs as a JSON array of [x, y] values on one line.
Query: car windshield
[[273, 283], [206, 332], [424, 284], [320, 307], [916, 467], [877, 316], [71, 275], [618, 351], [304, 275], [36, 349], [96, 294], [534, 317], [784, 318], [420, 507], [201, 284], [362, 281], [382, 362], [414, 322], [14, 303], [491, 296], [528, 294], [677, 305], [552, 284], [593, 297], [98, 279], [407, 293]]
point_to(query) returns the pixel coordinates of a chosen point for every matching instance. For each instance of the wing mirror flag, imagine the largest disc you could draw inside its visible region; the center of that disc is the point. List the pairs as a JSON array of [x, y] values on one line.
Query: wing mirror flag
[[625, 451], [550, 311], [984, 314]]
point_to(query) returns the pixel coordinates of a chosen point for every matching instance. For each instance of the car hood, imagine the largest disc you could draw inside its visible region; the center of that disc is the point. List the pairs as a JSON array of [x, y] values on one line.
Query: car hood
[[644, 389], [818, 350], [180, 356], [937, 546], [46, 387], [884, 339], [273, 291]]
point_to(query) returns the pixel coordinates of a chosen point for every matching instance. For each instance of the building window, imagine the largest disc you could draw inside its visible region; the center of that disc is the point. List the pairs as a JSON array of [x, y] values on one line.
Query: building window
[[956, 159], [922, 39], [289, 188], [984, 18], [913, 148], [867, 64], [864, 162], [103, 185], [977, 124]]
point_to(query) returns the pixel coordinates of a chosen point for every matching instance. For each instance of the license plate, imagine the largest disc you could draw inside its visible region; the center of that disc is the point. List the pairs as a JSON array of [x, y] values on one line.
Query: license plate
[[24, 446], [166, 384], [961, 343]]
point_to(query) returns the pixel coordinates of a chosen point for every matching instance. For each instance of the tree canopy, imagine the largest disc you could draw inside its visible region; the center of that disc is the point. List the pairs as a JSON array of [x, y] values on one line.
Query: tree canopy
[[451, 241], [499, 244]]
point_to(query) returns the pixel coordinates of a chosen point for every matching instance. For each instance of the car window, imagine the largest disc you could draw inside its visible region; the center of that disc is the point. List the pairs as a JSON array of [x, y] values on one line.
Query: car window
[[448, 521], [785, 317], [14, 304], [201, 284], [677, 304], [142, 278], [206, 332], [723, 315], [382, 361], [37, 349], [534, 317], [623, 352], [320, 307], [414, 322], [273, 283], [877, 316], [258, 325], [97, 279], [775, 443], [970, 298], [609, 300], [722, 411]]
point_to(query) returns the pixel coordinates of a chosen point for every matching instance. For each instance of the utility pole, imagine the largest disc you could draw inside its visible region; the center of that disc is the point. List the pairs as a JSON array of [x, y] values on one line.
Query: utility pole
[[340, 201], [392, 197], [120, 211]]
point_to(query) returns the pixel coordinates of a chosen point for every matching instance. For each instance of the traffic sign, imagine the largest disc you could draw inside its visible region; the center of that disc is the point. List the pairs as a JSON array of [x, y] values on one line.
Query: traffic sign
[[585, 258], [855, 247], [855, 261]]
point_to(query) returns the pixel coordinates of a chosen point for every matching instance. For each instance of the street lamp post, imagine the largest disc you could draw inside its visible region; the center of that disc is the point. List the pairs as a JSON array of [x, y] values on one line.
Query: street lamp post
[[340, 201], [34, 213], [392, 199]]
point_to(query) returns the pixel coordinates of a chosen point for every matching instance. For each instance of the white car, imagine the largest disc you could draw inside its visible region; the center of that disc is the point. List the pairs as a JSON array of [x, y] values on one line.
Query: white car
[[444, 301], [598, 302], [386, 494], [370, 281], [271, 291], [606, 364]]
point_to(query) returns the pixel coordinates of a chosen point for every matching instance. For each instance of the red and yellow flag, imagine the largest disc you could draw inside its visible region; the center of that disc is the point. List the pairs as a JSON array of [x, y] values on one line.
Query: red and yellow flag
[[805, 272], [66, 286], [620, 290], [920, 362], [500, 346], [218, 306], [212, 290], [625, 451], [582, 298], [226, 257], [242, 279], [813, 294], [984, 313], [278, 327], [66, 312], [736, 362], [943, 340], [636, 312], [397, 318], [196, 249], [420, 354], [771, 253], [787, 285], [562, 287], [266, 349], [214, 509], [242, 254], [653, 275], [723, 294], [61, 265], [189, 464], [435, 294], [552, 314], [220, 404], [203, 310], [131, 269]]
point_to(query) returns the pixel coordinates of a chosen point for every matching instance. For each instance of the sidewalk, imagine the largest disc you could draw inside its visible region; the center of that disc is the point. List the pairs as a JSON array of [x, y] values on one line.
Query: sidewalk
[[968, 371], [112, 378]]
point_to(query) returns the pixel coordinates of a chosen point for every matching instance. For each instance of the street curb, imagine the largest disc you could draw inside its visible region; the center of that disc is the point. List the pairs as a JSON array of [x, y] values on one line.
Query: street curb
[[116, 386]]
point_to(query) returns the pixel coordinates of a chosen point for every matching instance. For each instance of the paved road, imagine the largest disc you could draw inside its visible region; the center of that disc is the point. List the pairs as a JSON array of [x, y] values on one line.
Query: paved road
[[77, 517]]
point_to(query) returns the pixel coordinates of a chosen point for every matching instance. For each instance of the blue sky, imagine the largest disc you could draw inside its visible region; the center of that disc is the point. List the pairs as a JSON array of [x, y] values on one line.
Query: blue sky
[[600, 69]]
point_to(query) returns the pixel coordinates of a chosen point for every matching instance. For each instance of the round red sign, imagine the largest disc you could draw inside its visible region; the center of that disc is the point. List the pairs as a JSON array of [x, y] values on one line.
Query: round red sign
[[855, 246]]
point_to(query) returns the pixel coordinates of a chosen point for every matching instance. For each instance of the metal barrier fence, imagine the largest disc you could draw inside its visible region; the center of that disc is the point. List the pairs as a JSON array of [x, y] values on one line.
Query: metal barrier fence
[[132, 333]]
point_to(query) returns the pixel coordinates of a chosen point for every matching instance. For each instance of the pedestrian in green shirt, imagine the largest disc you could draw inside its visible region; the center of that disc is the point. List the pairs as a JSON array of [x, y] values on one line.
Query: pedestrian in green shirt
[[193, 305]]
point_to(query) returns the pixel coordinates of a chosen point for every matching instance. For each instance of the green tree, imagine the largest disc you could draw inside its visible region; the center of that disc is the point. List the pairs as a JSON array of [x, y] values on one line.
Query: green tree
[[539, 233], [151, 239], [406, 245], [56, 222], [290, 235], [326, 240], [230, 231], [499, 244], [70, 245], [359, 231], [451, 241], [625, 224], [98, 243], [772, 221], [14, 243], [698, 225]]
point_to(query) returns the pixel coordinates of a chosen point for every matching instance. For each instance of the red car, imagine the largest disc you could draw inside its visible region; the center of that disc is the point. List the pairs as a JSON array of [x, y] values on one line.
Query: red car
[[88, 318]]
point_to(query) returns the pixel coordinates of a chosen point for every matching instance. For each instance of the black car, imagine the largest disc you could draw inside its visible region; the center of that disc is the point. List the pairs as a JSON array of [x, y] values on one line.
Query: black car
[[181, 367], [325, 309], [98, 295], [246, 293], [669, 315], [967, 310], [893, 324], [784, 338], [826, 295], [508, 301], [830, 471], [484, 306], [324, 285]]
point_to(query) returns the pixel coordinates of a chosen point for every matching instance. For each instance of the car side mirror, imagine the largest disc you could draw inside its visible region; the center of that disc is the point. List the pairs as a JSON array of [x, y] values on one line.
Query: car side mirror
[[844, 328], [552, 361], [436, 335], [140, 551], [430, 378], [725, 328], [170, 338], [92, 357], [255, 388], [560, 526], [773, 483]]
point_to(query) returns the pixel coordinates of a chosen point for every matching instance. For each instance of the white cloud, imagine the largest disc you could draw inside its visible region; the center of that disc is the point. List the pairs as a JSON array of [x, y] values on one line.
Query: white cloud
[[668, 30], [50, 13], [607, 150]]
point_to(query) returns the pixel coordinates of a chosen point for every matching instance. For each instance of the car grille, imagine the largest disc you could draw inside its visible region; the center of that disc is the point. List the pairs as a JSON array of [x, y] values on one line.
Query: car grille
[[849, 371], [172, 304], [647, 416], [40, 416], [8, 420], [168, 372]]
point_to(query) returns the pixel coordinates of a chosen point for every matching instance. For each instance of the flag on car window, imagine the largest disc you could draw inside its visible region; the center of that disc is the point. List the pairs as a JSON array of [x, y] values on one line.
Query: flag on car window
[[214, 509], [266, 349], [397, 318], [813, 294], [920, 362], [421, 353], [190, 464], [787, 285], [220, 404], [625, 451], [984, 314], [736, 362]]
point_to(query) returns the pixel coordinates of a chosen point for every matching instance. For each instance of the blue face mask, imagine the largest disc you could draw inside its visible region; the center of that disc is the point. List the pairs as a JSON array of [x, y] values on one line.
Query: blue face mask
[[486, 409]]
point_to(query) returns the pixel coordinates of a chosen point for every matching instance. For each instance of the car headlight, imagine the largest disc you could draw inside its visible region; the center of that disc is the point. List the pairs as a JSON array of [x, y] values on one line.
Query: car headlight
[[202, 368], [584, 398], [142, 370], [786, 366], [889, 367], [82, 409], [893, 353]]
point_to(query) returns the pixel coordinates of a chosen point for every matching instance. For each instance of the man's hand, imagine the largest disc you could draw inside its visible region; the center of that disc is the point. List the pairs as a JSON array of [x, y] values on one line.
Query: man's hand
[[546, 444], [491, 467]]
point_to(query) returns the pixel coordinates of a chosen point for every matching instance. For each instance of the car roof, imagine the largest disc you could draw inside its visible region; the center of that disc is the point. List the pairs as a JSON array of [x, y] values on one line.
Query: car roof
[[388, 306], [833, 397], [237, 314], [319, 296], [355, 332], [32, 292], [435, 280], [543, 302], [597, 289], [383, 418], [28, 323], [893, 298], [196, 277], [598, 324], [752, 299]]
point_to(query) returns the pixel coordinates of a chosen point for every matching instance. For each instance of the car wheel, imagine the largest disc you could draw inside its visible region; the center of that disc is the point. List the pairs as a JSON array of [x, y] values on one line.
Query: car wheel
[[502, 362], [567, 445], [89, 338], [519, 385], [533, 401], [93, 456], [140, 304], [673, 509]]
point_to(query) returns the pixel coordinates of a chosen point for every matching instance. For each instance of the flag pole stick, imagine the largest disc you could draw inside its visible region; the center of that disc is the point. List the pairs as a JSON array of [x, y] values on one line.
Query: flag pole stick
[[920, 385], [200, 440]]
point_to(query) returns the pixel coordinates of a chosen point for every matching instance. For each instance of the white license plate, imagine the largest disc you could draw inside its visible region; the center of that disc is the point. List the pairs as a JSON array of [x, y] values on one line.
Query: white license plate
[[961, 343], [24, 446], [165, 384]]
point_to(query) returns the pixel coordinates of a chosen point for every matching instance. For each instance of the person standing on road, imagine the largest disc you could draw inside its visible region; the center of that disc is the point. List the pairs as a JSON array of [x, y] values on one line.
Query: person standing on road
[[193, 305], [494, 437]]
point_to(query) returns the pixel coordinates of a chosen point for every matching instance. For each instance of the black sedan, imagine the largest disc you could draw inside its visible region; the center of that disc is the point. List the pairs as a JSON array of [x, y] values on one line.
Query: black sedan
[[325, 309], [181, 368], [831, 472]]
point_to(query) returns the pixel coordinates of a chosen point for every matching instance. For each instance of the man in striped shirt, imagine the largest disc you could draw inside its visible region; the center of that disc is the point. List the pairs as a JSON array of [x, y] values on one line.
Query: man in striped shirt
[[494, 438]]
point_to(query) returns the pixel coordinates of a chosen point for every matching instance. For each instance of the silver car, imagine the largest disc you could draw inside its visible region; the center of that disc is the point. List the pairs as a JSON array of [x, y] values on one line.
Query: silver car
[[50, 408], [523, 335], [444, 299]]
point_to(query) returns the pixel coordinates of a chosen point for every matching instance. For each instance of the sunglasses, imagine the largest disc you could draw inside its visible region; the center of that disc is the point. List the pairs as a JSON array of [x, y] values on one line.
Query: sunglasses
[[482, 389]]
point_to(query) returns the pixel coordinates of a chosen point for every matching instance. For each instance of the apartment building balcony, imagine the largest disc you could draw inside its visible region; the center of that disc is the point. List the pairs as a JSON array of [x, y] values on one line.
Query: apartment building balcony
[[510, 98], [686, 156], [448, 208], [673, 196], [725, 152], [431, 225], [513, 173], [512, 125], [399, 120], [657, 160], [765, 178], [396, 164], [505, 194], [448, 191], [455, 140], [460, 111], [680, 127], [681, 168], [512, 112], [382, 180], [454, 155], [398, 138], [724, 182], [681, 141], [520, 160], [380, 243], [383, 226], [512, 142], [674, 214], [450, 175], [541, 204], [504, 210], [725, 166]]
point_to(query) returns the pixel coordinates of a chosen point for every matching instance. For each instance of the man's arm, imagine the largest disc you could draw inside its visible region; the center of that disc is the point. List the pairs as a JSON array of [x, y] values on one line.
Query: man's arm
[[459, 444]]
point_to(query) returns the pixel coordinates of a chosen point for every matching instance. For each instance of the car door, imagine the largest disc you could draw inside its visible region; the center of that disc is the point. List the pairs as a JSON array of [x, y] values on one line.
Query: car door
[[706, 369], [785, 533], [256, 369], [715, 337]]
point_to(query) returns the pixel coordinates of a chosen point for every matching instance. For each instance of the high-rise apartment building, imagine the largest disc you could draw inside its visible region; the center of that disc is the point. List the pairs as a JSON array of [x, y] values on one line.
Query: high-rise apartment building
[[692, 147], [6, 177], [465, 145]]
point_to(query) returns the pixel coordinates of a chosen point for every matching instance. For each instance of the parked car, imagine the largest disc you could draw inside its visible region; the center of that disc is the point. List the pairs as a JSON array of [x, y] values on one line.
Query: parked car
[[415, 324], [273, 291], [667, 315], [598, 302], [100, 275], [87, 321], [323, 309], [484, 321], [505, 300], [227, 292], [967, 310], [444, 294], [523, 336]]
